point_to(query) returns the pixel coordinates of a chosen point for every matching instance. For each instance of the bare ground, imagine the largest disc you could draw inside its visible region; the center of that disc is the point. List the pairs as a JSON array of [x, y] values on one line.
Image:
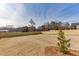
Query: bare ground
[[35, 45]]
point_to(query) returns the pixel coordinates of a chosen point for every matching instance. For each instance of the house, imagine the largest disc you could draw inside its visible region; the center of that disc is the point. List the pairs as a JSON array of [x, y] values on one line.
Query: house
[[75, 26], [4, 31]]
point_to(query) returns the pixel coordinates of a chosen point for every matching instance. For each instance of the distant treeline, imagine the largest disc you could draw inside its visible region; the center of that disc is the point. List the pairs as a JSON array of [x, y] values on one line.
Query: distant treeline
[[53, 25]]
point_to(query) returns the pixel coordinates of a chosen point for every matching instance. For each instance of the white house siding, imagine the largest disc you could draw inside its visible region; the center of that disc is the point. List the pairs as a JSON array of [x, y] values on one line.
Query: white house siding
[[77, 26]]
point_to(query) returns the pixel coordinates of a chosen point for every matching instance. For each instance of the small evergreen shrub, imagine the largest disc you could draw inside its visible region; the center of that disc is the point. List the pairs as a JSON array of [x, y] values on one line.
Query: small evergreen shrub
[[63, 43]]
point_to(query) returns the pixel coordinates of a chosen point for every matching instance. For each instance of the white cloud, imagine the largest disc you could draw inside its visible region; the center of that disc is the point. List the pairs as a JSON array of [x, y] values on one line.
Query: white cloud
[[10, 14]]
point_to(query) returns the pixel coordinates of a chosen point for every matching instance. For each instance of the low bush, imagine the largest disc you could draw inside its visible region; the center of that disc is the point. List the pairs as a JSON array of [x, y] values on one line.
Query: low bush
[[63, 43]]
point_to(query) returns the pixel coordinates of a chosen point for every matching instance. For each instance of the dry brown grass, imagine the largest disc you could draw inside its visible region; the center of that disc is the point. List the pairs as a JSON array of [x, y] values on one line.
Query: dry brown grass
[[15, 34], [35, 45], [67, 32]]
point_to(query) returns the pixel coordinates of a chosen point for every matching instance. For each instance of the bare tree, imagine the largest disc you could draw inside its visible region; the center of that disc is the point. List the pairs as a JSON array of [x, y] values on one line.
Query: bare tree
[[32, 28], [67, 25], [32, 22]]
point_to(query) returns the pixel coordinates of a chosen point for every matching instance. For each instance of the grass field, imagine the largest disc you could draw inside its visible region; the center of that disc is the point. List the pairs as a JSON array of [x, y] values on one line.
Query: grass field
[[67, 32], [34, 45], [15, 34]]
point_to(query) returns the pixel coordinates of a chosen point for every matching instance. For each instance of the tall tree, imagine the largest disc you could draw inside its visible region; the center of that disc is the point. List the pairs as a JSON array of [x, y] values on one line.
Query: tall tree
[[59, 25], [53, 25], [32, 22], [32, 28], [67, 25], [47, 25]]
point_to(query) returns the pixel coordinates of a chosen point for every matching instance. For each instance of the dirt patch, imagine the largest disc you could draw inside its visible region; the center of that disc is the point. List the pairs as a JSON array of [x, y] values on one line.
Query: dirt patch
[[54, 51]]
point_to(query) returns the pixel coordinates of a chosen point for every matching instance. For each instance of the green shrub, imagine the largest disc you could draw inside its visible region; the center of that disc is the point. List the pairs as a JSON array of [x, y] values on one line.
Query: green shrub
[[63, 44]]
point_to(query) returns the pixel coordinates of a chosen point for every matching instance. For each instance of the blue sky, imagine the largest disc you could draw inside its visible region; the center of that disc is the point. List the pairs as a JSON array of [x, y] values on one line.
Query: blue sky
[[19, 14]]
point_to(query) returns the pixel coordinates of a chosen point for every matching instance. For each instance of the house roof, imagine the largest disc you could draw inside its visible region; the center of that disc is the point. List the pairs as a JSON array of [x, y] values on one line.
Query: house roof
[[75, 24]]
